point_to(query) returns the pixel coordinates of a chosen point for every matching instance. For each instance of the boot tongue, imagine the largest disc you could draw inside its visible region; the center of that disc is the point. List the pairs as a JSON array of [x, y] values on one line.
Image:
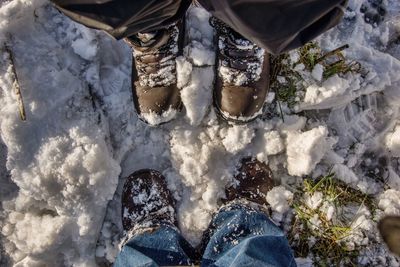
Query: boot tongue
[[154, 55], [142, 42], [147, 37]]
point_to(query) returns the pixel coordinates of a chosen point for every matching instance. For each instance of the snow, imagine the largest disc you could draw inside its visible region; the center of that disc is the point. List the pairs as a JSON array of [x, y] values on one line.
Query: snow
[[313, 201], [197, 95], [274, 143], [332, 87], [344, 173], [85, 46], [317, 72], [199, 53], [279, 199], [155, 119], [82, 136], [72, 177], [204, 168], [393, 142], [329, 210], [59, 157], [294, 56], [236, 138], [196, 69], [389, 202], [305, 150], [304, 262]]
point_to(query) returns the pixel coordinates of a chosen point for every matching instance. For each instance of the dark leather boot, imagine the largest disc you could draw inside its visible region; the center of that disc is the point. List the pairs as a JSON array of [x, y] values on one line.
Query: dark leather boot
[[252, 182], [147, 201], [250, 185], [242, 79], [154, 80]]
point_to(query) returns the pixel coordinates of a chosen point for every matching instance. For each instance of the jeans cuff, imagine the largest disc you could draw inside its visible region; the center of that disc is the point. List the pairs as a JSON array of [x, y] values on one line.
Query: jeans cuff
[[242, 203], [148, 226]]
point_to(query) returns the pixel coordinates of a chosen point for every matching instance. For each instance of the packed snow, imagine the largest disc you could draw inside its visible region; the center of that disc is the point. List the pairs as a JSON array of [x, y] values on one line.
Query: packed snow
[[62, 169]]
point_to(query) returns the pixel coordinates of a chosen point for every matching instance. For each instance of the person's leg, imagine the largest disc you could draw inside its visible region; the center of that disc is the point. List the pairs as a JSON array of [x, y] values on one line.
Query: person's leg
[[247, 31], [123, 18], [241, 234], [155, 31], [278, 25], [163, 246], [149, 221], [244, 236]]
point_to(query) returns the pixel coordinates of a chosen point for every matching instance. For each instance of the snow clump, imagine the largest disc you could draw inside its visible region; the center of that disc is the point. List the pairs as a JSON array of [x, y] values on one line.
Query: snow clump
[[236, 138], [305, 150], [279, 199], [389, 202], [393, 142]]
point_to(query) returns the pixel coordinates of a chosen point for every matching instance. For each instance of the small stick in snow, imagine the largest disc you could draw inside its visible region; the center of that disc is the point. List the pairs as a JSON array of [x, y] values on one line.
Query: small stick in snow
[[276, 68], [16, 86], [331, 53]]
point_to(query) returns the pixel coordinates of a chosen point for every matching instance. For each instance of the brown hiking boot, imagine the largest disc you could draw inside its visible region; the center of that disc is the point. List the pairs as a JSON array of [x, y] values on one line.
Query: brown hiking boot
[[252, 182], [389, 227], [154, 80], [146, 200], [242, 80], [251, 185]]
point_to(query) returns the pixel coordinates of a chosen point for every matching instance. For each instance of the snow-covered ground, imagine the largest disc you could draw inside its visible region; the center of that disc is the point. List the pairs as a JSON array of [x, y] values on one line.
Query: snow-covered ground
[[82, 137]]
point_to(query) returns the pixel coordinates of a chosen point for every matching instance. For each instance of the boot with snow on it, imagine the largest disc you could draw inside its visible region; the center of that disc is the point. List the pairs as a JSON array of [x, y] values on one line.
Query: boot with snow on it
[[151, 233], [146, 201], [248, 191], [389, 227], [242, 79], [252, 182], [154, 79]]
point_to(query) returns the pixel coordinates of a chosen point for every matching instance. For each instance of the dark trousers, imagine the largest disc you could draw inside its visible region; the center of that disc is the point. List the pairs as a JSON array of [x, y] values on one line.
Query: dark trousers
[[276, 25]]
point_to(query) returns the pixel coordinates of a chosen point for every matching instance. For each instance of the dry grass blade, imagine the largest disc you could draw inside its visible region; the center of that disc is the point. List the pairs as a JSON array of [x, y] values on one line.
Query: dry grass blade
[[16, 86]]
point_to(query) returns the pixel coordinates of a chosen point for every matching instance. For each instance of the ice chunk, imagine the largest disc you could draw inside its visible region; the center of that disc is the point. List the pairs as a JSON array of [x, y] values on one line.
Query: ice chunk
[[305, 150], [317, 72], [393, 142], [237, 138], [332, 87], [274, 143], [389, 202], [279, 199]]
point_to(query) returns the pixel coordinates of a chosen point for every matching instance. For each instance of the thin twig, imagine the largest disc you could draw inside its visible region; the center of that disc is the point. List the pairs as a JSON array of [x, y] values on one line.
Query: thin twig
[[331, 53], [280, 110], [16, 86], [276, 68]]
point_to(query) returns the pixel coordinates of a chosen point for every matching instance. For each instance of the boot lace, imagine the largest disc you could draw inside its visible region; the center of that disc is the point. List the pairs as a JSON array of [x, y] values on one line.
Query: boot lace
[[240, 59], [155, 57]]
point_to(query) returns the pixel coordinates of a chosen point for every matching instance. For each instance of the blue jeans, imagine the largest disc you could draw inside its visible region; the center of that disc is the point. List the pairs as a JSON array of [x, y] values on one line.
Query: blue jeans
[[238, 236]]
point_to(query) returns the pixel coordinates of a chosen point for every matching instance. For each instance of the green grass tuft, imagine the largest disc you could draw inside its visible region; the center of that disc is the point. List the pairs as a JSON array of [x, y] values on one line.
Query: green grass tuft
[[326, 240], [333, 62]]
